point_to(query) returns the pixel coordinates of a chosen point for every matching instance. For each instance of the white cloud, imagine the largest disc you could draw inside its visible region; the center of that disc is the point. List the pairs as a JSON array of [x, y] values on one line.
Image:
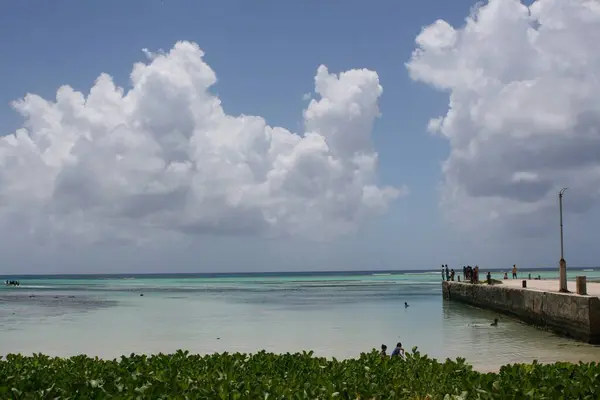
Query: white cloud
[[165, 157], [435, 125], [524, 113]]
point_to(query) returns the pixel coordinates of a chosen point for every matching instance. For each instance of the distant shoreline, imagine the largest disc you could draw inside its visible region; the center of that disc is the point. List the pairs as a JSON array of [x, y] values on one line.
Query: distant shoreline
[[265, 274]]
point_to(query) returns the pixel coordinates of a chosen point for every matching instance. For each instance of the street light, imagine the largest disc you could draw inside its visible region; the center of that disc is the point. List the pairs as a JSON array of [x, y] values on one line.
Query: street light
[[563, 263]]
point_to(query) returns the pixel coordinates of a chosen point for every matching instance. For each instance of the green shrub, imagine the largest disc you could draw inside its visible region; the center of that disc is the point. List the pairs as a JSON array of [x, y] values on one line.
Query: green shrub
[[288, 376]]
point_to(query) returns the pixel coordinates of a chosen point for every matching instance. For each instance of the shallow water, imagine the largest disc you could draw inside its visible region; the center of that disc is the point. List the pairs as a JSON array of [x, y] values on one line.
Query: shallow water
[[335, 315]]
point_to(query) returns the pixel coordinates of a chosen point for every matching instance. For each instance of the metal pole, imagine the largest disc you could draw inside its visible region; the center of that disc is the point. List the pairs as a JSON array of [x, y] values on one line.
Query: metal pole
[[560, 197], [563, 263]]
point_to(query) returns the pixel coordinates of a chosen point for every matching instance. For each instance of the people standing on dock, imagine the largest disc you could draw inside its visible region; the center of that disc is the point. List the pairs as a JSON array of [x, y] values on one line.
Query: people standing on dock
[[464, 273], [452, 274], [476, 274], [447, 273], [489, 278], [514, 271], [443, 273]]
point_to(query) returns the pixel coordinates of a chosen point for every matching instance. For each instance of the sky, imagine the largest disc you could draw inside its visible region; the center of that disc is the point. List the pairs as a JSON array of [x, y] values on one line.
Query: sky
[[239, 136]]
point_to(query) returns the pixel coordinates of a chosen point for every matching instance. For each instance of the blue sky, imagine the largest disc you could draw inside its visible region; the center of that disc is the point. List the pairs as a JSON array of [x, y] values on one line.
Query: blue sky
[[265, 54]]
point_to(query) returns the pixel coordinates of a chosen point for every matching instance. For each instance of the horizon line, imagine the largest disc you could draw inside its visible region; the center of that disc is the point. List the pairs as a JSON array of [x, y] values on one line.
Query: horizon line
[[297, 272]]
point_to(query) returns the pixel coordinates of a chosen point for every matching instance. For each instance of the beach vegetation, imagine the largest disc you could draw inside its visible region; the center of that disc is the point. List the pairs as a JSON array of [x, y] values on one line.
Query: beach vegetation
[[287, 376]]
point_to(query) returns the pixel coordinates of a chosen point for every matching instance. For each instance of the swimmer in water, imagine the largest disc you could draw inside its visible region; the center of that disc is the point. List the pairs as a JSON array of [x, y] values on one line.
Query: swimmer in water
[[406, 305], [495, 323]]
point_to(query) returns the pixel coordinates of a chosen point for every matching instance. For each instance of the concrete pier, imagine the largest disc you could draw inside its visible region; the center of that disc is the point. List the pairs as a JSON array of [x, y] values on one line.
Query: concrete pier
[[540, 304]]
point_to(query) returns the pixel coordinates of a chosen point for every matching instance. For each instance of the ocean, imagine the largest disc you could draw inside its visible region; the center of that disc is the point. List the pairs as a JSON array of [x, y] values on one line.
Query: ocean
[[335, 314]]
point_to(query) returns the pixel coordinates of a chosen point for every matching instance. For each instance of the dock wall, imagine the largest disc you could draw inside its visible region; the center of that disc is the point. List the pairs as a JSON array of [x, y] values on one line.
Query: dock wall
[[566, 314]]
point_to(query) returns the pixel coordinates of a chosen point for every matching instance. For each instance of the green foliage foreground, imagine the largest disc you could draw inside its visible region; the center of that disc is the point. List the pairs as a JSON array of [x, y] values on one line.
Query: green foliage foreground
[[288, 376]]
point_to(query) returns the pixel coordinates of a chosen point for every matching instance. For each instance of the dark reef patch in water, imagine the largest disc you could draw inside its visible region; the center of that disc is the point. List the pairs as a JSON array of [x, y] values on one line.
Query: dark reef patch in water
[[23, 306]]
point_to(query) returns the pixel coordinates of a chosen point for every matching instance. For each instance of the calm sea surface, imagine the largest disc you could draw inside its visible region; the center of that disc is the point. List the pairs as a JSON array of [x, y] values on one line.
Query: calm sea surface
[[334, 314]]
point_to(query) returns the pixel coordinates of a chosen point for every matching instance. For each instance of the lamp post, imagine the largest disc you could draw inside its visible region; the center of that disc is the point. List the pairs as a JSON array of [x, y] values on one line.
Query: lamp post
[[563, 263]]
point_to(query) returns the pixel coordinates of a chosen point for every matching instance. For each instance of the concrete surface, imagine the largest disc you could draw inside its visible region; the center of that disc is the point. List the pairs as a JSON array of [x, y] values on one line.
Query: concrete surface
[[551, 285]]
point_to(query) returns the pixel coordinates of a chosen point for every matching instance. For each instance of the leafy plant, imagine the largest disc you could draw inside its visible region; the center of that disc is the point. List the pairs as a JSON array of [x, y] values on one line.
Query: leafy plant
[[287, 376]]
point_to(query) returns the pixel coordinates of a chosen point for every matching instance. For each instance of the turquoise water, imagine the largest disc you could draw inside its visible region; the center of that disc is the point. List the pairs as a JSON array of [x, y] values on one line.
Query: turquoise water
[[334, 314]]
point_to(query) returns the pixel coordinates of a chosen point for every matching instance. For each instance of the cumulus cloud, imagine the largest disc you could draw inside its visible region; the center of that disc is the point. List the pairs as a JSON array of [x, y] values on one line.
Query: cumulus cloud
[[524, 112], [164, 156]]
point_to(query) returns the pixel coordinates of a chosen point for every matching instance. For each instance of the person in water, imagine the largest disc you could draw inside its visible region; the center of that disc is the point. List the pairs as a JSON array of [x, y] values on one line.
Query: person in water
[[383, 350], [495, 323], [398, 351], [406, 305]]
